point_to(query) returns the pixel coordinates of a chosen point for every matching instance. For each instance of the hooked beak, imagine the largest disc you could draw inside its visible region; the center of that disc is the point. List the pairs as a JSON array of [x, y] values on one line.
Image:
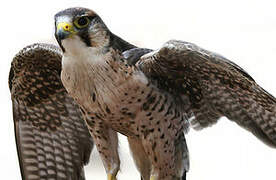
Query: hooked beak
[[64, 30]]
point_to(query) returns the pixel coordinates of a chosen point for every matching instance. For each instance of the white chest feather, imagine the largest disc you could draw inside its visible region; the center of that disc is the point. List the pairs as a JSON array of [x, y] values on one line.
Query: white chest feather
[[87, 76], [78, 68]]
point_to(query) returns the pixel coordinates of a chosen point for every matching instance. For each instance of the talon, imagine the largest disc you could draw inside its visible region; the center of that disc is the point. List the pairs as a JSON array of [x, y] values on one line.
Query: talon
[[111, 177], [184, 176]]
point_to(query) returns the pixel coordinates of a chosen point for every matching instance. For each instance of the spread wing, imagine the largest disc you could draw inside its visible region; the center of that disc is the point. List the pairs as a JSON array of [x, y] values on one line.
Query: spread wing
[[51, 137], [213, 87]]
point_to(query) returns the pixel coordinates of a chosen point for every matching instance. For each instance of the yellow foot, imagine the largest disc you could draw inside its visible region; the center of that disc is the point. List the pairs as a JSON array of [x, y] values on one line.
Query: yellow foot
[[111, 177], [153, 177]]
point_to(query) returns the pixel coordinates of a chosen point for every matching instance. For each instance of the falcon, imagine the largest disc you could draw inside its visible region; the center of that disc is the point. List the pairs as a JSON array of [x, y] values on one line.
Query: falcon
[[153, 98], [53, 141]]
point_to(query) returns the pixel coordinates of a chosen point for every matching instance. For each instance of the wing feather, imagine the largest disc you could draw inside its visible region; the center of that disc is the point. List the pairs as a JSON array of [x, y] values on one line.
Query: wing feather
[[52, 139], [214, 87]]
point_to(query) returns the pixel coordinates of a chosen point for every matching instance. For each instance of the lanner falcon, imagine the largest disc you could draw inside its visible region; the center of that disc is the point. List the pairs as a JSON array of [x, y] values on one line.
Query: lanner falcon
[[152, 97]]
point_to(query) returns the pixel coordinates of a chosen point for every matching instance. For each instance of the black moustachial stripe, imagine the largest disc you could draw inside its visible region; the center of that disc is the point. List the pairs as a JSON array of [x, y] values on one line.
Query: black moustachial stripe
[[84, 35]]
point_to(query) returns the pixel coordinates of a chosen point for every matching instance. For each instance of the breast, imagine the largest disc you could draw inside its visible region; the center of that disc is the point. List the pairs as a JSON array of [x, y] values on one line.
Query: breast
[[76, 81]]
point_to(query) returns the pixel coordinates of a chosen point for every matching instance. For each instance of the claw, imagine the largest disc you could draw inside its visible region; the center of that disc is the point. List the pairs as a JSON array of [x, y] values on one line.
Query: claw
[[111, 177], [184, 176]]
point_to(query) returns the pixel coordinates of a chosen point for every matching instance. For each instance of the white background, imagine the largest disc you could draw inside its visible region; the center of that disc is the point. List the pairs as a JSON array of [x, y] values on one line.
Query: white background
[[243, 31]]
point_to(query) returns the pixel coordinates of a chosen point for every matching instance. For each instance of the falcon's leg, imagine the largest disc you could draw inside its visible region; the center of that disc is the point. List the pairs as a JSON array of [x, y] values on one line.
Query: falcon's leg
[[182, 157], [161, 153], [140, 157], [106, 141]]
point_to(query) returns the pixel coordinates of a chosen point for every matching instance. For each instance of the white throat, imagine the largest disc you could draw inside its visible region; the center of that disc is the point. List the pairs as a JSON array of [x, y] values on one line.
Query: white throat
[[77, 51]]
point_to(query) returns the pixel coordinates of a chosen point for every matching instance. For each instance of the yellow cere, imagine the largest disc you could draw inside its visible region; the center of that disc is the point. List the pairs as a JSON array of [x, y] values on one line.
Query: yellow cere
[[65, 26]]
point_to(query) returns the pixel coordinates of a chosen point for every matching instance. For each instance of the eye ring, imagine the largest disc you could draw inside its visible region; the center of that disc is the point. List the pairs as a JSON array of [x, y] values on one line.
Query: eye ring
[[82, 22]]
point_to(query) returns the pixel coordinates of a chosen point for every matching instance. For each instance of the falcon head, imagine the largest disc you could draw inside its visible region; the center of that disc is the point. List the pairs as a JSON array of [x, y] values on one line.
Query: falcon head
[[80, 27]]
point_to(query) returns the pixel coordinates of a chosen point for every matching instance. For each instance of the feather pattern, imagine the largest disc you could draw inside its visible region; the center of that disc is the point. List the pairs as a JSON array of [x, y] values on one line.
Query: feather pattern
[[214, 87], [51, 136]]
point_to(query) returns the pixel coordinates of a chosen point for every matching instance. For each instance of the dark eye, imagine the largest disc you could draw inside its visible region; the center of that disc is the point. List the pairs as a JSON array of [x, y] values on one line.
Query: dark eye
[[82, 22]]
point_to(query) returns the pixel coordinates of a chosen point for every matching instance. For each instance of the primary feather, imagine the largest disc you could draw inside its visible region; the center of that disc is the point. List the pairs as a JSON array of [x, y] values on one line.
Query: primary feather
[[51, 137]]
